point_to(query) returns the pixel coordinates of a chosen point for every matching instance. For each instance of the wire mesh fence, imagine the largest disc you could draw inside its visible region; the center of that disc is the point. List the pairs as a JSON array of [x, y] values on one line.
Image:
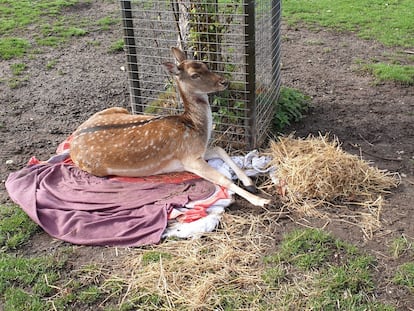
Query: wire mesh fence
[[239, 39]]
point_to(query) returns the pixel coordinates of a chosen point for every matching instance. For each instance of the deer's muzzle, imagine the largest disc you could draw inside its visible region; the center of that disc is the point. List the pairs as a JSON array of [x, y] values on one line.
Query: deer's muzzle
[[223, 83]]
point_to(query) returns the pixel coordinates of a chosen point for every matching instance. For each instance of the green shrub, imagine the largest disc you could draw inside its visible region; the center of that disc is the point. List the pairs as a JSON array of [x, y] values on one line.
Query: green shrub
[[291, 106]]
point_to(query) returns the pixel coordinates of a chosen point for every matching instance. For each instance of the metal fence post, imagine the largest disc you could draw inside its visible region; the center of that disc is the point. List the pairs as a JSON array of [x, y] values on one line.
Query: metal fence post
[[276, 50], [129, 41], [251, 72]]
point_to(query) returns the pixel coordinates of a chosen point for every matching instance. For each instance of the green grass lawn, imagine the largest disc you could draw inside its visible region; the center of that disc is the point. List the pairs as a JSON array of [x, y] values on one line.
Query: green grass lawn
[[20, 14], [16, 16], [392, 72], [388, 22], [50, 27]]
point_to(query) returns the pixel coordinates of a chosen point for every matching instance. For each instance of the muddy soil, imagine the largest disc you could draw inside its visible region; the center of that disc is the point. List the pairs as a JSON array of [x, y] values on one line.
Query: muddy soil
[[373, 120]]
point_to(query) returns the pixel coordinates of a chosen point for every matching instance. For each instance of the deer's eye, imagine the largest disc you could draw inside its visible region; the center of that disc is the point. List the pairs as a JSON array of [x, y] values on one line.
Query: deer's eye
[[195, 76]]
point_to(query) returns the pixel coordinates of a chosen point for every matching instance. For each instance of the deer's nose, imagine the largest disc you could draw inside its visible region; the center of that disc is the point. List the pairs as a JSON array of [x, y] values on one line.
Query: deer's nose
[[224, 83]]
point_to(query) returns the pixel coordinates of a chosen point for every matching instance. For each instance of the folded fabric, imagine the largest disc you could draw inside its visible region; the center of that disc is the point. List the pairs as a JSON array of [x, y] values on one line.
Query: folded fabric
[[193, 225]]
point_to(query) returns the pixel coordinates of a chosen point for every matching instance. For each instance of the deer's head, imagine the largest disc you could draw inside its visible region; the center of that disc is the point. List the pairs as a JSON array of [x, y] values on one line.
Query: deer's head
[[194, 76]]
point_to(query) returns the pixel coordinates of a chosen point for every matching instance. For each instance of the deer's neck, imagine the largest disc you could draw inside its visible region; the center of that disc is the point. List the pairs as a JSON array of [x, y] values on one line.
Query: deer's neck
[[197, 112]]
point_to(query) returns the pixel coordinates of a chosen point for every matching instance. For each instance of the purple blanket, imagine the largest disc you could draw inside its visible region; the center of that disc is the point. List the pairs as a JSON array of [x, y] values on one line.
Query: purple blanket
[[76, 207]]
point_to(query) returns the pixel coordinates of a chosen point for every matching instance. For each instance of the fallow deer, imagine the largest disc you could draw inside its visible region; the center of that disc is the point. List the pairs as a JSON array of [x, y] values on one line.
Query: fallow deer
[[115, 142]]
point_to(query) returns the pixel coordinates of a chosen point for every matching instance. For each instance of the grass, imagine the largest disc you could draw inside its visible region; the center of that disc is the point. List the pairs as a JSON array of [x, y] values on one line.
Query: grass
[[23, 273], [117, 46], [12, 47], [154, 257], [107, 22], [403, 74], [35, 282], [315, 271], [16, 82], [38, 283], [20, 14], [18, 68], [400, 246], [50, 27], [405, 276], [291, 106], [309, 249], [389, 22], [16, 228], [51, 64], [26, 283], [53, 35]]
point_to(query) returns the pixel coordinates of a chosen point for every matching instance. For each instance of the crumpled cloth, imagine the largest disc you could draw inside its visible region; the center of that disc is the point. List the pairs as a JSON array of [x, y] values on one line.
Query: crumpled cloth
[[74, 206], [252, 164]]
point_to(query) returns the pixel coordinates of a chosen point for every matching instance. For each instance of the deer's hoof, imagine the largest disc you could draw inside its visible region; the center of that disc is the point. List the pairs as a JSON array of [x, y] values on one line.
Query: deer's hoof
[[262, 202], [266, 202], [252, 189]]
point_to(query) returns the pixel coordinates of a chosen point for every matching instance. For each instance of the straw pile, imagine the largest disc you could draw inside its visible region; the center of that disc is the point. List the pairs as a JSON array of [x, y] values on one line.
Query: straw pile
[[315, 172], [199, 274]]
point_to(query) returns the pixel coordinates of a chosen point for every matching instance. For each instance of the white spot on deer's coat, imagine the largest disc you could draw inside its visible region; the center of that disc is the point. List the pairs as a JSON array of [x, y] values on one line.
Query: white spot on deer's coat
[[186, 134]]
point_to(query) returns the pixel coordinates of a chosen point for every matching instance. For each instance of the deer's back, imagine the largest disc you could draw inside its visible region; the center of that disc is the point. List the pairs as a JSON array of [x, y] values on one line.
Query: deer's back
[[131, 145]]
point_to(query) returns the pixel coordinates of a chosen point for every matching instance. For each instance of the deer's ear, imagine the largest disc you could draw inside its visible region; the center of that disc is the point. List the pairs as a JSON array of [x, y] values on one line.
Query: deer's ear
[[171, 68], [178, 54]]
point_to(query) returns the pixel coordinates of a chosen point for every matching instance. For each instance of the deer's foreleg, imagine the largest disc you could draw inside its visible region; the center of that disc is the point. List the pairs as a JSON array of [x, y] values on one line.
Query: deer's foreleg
[[201, 168], [218, 152]]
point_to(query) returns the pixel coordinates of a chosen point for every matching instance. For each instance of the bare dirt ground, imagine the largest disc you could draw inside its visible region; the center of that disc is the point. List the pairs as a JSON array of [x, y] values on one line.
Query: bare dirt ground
[[374, 120]]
